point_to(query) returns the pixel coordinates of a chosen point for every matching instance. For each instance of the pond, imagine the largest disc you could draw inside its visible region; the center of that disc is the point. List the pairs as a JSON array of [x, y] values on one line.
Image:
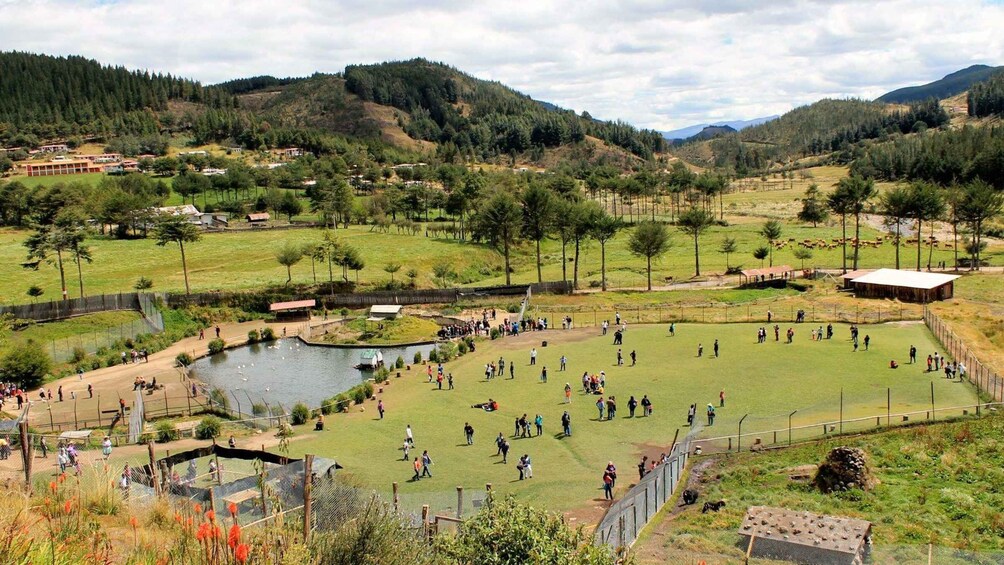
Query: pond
[[288, 371]]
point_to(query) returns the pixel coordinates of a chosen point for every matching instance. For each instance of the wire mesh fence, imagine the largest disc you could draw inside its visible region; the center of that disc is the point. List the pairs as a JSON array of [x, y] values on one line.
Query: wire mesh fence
[[987, 381], [74, 348]]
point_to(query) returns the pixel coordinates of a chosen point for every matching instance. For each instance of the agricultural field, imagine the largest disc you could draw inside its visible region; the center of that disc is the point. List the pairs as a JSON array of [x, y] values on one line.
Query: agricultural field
[[766, 381], [245, 259]]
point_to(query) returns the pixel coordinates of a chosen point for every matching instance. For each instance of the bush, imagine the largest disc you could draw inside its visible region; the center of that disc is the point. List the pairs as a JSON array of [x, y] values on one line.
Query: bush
[[399, 364], [285, 430], [328, 406], [358, 395], [184, 359], [259, 409], [216, 346], [78, 355], [434, 356], [382, 374], [417, 359], [341, 402], [446, 351], [494, 333], [166, 432], [209, 428], [300, 414], [267, 334], [25, 363], [253, 336], [95, 364], [368, 389], [462, 347]]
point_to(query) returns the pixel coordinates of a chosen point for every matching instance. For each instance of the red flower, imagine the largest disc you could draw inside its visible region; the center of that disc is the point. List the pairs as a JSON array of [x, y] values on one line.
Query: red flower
[[198, 508], [234, 537], [241, 553], [211, 516], [233, 509], [67, 506], [52, 486], [133, 522], [203, 533]]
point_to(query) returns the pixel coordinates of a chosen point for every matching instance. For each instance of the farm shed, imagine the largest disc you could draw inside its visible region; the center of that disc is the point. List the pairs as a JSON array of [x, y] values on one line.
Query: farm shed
[[804, 537], [258, 218], [381, 312], [781, 272], [908, 286], [293, 310], [849, 276]]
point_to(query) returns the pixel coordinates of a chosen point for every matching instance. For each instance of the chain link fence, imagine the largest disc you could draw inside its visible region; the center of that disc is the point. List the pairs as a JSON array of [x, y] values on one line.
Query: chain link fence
[[986, 380]]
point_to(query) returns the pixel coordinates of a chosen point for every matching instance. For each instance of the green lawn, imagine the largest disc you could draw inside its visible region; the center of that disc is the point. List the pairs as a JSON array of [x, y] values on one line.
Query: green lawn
[[767, 381], [73, 327], [936, 484], [236, 260]]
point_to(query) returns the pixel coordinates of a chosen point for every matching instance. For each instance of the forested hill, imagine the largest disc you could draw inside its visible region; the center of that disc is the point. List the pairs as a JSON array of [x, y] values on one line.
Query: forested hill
[[450, 107], [44, 97], [950, 85], [816, 129]]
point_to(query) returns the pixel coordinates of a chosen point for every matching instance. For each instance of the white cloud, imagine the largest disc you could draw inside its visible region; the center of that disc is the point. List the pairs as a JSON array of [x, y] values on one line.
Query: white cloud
[[655, 63]]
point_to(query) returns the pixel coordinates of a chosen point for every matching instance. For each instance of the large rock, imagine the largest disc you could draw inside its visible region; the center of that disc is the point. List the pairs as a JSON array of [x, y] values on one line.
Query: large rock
[[845, 468]]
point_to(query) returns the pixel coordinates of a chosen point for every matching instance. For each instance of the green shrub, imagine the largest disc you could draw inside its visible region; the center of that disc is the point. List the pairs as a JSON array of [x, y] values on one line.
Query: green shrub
[[216, 346], [253, 336], [78, 355], [434, 356], [184, 359], [368, 389], [26, 363], [267, 334], [285, 430], [209, 428], [300, 414], [462, 347], [418, 358], [399, 364], [166, 432], [328, 406], [494, 333], [111, 361], [382, 374], [95, 364], [341, 402], [446, 352], [358, 395], [259, 409]]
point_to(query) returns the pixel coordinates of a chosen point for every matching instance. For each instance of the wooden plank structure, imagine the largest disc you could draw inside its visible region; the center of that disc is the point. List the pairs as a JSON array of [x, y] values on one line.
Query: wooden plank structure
[[780, 272], [293, 310]]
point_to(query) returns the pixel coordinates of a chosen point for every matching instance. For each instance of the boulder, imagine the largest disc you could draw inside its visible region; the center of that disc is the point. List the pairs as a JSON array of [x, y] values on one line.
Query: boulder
[[845, 468]]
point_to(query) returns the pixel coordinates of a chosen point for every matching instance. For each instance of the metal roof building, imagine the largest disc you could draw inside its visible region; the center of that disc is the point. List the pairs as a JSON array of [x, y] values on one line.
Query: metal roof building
[[908, 286]]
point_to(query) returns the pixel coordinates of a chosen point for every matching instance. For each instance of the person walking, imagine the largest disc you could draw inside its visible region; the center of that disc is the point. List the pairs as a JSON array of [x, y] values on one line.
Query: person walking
[[913, 354], [566, 423], [90, 390], [632, 404], [512, 370], [646, 406], [700, 350], [408, 435], [533, 356], [218, 331], [543, 374], [634, 357], [449, 380], [505, 451], [498, 443], [608, 486], [469, 433], [380, 408], [426, 463], [672, 329], [691, 414], [563, 363], [721, 399], [612, 471], [43, 446], [538, 421], [568, 393], [599, 406], [868, 340], [716, 348], [418, 470], [711, 415], [620, 357]]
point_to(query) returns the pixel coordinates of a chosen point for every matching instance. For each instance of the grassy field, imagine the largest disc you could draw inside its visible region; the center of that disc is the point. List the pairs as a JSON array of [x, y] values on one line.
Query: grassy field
[[766, 381], [235, 260], [406, 329], [72, 327], [939, 484]]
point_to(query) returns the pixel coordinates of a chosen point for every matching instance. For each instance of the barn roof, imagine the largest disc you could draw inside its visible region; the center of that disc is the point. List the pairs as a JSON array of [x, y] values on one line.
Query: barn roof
[[292, 305], [833, 533], [905, 279], [779, 270], [385, 309], [855, 274], [258, 217]]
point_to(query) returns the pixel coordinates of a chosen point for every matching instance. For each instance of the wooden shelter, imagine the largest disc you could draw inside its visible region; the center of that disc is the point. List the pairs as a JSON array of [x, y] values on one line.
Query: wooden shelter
[[258, 218], [781, 272], [804, 537], [849, 276], [292, 311], [908, 286], [380, 312]]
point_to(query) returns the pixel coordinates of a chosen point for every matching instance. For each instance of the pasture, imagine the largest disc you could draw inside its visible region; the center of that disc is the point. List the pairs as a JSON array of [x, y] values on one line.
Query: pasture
[[766, 381]]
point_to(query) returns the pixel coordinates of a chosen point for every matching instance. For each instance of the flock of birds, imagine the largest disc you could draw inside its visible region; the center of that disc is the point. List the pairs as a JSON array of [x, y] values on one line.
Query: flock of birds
[[240, 368]]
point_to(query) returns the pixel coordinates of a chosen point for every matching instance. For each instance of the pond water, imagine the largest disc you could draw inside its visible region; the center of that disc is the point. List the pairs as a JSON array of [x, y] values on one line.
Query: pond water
[[288, 371]]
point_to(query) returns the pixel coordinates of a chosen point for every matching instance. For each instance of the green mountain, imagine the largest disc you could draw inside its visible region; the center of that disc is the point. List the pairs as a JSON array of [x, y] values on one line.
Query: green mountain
[[44, 97], [950, 85]]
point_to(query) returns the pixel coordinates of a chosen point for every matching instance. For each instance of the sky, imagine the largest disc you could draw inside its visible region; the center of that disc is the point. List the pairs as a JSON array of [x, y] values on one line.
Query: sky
[[659, 64]]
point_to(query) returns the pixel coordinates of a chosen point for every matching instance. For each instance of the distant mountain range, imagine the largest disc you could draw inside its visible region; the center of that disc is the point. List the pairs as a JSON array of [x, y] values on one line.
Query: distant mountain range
[[691, 131], [952, 84]]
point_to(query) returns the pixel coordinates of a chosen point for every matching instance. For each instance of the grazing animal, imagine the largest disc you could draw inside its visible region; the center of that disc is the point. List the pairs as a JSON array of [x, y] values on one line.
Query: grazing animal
[[713, 506], [689, 496]]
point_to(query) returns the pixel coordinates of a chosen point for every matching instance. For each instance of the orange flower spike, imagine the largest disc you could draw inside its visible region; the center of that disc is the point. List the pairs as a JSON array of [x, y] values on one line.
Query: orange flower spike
[[198, 508], [67, 506], [52, 486], [133, 522], [211, 516], [233, 509], [234, 537], [241, 553]]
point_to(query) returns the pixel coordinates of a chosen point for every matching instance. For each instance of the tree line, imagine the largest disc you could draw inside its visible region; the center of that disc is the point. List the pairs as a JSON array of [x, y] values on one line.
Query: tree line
[[986, 98], [44, 97]]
